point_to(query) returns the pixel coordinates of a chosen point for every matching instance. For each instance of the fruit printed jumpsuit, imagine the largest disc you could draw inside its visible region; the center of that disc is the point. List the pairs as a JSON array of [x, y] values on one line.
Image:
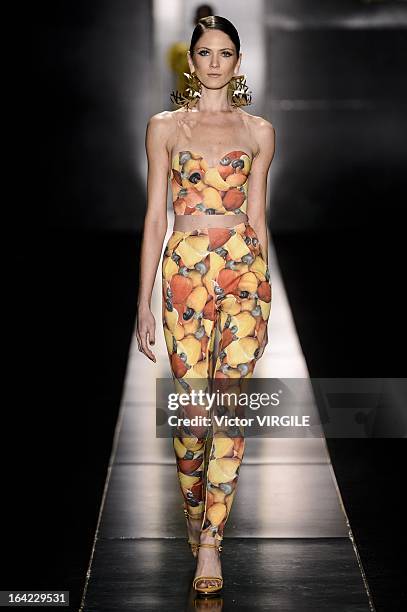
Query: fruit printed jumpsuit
[[216, 303]]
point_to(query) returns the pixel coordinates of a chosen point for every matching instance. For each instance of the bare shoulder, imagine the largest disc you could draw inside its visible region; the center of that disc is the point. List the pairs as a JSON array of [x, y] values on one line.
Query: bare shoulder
[[161, 122], [264, 135], [159, 131], [262, 129]]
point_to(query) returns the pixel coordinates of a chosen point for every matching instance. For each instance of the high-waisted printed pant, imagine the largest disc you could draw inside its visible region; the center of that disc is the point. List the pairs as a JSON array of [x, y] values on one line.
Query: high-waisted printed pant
[[216, 304]]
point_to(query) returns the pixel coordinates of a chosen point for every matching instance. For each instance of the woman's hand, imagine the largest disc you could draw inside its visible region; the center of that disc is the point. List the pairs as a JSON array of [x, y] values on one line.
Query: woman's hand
[[145, 332], [263, 345]]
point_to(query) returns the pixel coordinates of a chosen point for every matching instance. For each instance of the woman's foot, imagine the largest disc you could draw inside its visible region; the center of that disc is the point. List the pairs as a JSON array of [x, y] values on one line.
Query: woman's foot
[[209, 563], [194, 529]]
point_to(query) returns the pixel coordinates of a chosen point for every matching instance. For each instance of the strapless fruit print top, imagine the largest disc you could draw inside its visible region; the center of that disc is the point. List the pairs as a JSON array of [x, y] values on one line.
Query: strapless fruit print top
[[200, 189]]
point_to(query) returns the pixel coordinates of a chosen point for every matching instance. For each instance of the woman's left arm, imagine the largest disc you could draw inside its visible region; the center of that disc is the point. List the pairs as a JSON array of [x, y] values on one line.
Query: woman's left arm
[[256, 208]]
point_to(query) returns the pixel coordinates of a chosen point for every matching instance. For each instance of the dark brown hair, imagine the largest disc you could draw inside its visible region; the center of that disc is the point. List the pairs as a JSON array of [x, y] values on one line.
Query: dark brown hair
[[215, 22]]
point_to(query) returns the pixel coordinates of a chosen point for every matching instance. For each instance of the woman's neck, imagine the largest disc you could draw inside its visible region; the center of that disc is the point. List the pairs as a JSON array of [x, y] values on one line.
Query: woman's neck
[[214, 101]]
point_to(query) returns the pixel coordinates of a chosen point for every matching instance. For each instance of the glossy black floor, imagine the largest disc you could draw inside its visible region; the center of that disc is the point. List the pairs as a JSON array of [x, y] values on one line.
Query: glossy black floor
[[75, 339], [259, 574]]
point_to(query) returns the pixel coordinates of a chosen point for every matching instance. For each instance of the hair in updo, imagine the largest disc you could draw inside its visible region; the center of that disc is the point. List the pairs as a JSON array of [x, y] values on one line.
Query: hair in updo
[[215, 22]]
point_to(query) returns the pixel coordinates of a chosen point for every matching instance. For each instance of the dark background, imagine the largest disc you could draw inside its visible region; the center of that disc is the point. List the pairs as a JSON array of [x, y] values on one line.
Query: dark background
[[336, 219]]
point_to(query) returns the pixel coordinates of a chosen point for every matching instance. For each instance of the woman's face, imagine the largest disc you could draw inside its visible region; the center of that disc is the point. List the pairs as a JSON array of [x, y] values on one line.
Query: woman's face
[[214, 54]]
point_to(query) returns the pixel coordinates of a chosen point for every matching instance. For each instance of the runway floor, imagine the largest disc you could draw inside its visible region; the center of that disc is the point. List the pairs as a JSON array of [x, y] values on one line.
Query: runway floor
[[295, 540]]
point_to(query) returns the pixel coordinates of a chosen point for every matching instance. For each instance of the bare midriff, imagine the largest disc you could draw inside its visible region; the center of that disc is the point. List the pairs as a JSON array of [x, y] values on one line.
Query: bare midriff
[[187, 223]]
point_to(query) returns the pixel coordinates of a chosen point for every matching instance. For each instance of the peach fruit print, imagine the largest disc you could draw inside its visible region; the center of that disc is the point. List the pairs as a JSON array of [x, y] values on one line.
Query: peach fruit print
[[198, 189], [216, 302]]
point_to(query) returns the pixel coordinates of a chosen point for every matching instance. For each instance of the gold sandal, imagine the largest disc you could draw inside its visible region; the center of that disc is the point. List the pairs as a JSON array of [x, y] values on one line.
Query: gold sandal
[[194, 545], [208, 589]]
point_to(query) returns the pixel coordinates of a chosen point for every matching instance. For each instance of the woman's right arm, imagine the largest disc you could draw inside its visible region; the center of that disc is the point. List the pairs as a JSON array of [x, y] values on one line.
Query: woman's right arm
[[155, 226]]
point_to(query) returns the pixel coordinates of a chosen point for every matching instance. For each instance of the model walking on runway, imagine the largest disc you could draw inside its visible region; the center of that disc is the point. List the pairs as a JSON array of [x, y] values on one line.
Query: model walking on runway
[[216, 289]]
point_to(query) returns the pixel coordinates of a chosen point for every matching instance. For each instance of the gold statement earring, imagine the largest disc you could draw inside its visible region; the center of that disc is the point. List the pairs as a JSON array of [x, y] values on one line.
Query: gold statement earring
[[238, 92], [191, 94]]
